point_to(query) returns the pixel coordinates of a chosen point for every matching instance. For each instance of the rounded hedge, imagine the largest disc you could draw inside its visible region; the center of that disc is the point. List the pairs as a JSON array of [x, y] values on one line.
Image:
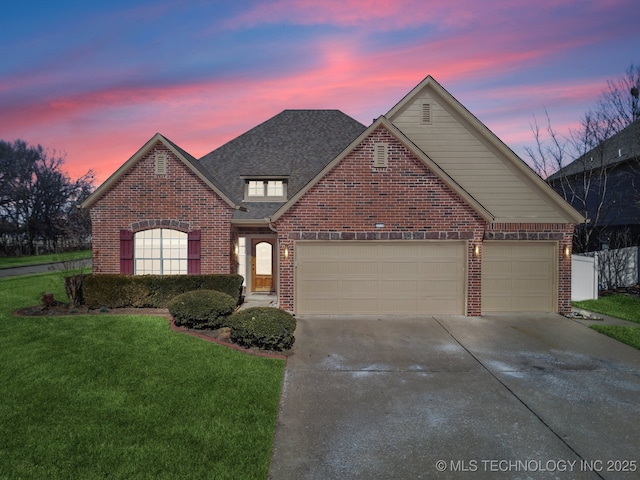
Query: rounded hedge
[[262, 327], [201, 308]]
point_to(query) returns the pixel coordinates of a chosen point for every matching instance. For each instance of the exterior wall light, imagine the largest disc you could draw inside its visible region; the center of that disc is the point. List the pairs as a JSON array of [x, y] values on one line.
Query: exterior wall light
[[567, 251], [476, 250], [286, 253], [379, 225], [236, 249]]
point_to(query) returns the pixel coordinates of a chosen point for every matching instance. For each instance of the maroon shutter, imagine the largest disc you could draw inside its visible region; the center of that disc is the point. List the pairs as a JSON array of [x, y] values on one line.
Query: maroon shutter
[[126, 252], [193, 252]]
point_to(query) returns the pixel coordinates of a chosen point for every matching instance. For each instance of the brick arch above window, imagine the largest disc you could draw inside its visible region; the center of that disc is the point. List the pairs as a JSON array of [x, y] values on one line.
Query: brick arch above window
[[161, 223]]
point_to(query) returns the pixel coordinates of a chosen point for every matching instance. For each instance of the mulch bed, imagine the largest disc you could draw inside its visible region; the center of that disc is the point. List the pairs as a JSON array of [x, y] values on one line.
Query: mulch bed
[[634, 291], [59, 308]]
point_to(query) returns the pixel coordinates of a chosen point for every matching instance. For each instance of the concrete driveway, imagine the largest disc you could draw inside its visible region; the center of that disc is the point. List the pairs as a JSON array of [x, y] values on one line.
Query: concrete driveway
[[504, 396]]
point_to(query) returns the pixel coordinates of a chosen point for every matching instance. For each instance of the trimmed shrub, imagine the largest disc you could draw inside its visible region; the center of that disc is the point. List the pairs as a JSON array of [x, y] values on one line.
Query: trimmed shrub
[[154, 291], [111, 291], [201, 309], [262, 327]]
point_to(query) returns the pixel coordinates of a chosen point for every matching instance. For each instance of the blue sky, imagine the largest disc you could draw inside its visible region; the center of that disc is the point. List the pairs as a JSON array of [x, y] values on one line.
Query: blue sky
[[95, 80]]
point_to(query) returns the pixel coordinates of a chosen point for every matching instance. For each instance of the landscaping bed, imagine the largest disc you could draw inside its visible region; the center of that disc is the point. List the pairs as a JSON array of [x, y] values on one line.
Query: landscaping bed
[[222, 336]]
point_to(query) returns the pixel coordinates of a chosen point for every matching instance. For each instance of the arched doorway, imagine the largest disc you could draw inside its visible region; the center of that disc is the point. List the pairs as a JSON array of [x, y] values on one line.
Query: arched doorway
[[262, 265]]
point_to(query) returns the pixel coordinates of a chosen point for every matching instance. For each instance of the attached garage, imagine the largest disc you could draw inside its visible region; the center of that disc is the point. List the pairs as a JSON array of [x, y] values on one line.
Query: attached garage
[[380, 277], [519, 276]]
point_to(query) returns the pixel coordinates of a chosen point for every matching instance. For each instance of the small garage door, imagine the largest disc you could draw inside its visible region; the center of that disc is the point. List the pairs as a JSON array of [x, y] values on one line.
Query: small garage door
[[519, 277], [394, 278]]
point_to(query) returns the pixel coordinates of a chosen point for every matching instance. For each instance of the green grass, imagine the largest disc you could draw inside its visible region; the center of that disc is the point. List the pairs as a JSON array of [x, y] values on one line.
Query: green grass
[[623, 333], [621, 306], [7, 262], [124, 397]]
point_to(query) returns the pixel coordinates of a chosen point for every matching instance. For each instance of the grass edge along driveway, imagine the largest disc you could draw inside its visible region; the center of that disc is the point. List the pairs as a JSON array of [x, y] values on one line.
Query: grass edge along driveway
[[621, 306], [126, 397]]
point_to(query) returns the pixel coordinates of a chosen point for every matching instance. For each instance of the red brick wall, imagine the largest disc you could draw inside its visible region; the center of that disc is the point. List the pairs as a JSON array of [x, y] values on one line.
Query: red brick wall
[[179, 200], [411, 201]]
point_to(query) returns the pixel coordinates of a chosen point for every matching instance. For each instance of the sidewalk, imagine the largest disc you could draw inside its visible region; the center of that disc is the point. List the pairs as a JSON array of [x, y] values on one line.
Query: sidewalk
[[38, 268]]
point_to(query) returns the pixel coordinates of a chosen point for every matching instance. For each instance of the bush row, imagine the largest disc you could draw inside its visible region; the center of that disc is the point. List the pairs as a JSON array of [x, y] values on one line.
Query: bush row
[[152, 291], [261, 327]]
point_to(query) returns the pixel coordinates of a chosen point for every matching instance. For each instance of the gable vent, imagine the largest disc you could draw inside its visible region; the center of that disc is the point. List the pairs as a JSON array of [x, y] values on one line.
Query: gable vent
[[161, 164], [425, 119], [380, 155]]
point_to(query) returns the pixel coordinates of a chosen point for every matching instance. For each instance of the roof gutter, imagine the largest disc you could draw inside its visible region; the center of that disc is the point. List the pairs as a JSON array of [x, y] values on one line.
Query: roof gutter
[[271, 227]]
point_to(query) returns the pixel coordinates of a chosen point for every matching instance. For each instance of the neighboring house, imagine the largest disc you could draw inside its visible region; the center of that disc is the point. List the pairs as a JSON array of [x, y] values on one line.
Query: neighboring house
[[425, 211], [604, 186]]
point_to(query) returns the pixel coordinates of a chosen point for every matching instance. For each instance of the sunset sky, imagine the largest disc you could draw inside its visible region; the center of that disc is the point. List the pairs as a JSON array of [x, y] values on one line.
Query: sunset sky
[[96, 80]]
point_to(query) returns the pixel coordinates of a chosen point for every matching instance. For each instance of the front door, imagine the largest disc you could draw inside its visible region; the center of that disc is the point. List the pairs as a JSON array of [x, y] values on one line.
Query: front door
[[262, 265]]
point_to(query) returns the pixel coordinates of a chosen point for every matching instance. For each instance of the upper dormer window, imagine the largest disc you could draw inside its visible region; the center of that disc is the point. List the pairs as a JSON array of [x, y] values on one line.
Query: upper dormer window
[[265, 191]]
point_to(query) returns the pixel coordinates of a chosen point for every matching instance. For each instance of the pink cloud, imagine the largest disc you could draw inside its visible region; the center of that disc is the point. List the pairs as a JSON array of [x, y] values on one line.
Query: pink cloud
[[381, 14], [103, 128]]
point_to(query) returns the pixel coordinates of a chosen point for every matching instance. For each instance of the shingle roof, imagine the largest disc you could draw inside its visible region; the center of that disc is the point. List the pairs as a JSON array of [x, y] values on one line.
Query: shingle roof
[[199, 167], [623, 146], [293, 145]]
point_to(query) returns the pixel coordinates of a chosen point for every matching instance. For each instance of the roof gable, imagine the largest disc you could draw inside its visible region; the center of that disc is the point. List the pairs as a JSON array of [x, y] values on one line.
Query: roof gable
[[181, 154], [419, 154], [480, 162]]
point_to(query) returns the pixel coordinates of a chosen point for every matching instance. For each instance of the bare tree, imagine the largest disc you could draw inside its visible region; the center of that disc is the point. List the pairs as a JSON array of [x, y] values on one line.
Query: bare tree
[[37, 198], [584, 166]]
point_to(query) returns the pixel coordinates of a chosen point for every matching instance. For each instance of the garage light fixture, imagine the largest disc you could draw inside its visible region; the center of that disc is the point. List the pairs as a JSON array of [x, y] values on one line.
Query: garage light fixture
[[476, 250], [567, 251], [286, 253], [379, 225]]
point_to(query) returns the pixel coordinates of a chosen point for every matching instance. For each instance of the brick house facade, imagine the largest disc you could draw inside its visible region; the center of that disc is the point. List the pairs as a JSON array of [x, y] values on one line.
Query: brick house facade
[[346, 184], [178, 200]]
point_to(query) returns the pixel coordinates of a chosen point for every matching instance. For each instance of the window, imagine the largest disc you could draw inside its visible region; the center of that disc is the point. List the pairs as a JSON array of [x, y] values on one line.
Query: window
[[266, 190], [242, 259], [160, 252], [256, 189], [275, 188]]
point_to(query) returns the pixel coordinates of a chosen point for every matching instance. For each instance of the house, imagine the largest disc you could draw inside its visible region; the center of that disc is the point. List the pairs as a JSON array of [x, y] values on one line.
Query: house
[[604, 186], [425, 211]]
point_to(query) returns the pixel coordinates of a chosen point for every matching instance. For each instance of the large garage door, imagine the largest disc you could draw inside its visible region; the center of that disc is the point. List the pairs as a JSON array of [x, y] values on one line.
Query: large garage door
[[395, 278], [519, 277]]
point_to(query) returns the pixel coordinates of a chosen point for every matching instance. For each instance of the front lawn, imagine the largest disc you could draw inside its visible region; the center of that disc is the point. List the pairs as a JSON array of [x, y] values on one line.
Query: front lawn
[[124, 397], [621, 306]]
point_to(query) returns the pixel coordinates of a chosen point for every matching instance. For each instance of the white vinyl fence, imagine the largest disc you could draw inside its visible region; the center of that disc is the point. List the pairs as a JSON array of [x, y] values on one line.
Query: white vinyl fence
[[618, 268], [584, 278], [604, 270]]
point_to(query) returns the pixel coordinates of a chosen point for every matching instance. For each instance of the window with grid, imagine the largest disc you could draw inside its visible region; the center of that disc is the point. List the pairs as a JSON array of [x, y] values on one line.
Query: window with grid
[[160, 251], [266, 190]]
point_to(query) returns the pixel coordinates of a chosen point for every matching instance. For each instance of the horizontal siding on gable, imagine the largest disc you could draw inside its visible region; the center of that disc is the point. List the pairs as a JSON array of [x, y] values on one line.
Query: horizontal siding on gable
[[488, 177]]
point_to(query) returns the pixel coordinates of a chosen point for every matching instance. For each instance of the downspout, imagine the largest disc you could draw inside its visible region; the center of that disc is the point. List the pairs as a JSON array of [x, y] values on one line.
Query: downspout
[[271, 227]]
